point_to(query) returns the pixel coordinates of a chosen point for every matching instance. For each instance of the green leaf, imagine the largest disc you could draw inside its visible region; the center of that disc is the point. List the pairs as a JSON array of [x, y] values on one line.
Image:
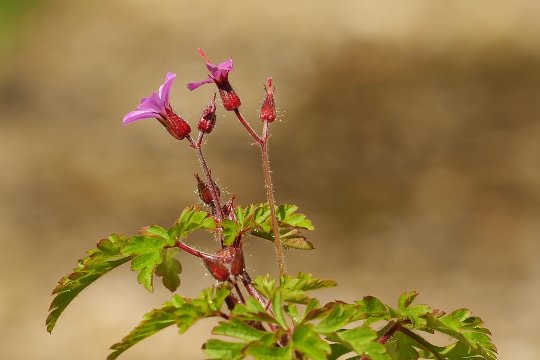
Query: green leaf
[[169, 270], [372, 310], [252, 310], [238, 329], [191, 219], [219, 349], [338, 350], [401, 347], [364, 341], [230, 231], [294, 288], [99, 261], [308, 342], [154, 321], [468, 330], [287, 215], [180, 311], [148, 253], [265, 285], [267, 348], [256, 219], [277, 306], [337, 318], [415, 313], [290, 238]]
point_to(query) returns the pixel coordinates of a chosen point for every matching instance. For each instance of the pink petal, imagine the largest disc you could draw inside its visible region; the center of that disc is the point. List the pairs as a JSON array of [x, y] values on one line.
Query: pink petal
[[227, 65], [194, 85], [165, 89], [138, 115]]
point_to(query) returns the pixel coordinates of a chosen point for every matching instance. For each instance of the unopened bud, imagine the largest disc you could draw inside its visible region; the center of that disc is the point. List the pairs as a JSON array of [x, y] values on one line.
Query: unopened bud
[[208, 118], [176, 126], [268, 108], [230, 100], [204, 191], [217, 269], [237, 264], [228, 209]]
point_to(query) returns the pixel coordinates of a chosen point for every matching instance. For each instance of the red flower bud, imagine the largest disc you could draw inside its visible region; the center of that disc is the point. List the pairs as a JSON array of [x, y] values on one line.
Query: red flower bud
[[268, 108], [204, 191], [228, 209], [237, 264], [208, 118], [217, 269], [230, 100], [176, 126]]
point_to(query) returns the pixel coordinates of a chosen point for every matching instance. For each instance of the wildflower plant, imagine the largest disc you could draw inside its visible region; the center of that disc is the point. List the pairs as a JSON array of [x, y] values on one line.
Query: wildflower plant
[[263, 317]]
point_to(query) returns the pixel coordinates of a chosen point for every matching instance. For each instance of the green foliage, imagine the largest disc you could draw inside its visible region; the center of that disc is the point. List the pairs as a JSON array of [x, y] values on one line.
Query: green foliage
[[170, 269], [191, 219], [255, 219], [292, 288], [284, 321], [147, 251], [97, 262], [473, 338], [180, 311]]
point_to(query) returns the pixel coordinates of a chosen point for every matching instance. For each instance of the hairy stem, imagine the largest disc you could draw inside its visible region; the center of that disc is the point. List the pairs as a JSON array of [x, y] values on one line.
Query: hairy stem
[[213, 188], [271, 200], [263, 143], [387, 335], [195, 252]]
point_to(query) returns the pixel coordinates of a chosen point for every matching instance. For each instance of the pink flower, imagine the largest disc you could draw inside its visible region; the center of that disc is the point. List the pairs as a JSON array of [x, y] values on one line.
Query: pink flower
[[219, 74], [157, 106]]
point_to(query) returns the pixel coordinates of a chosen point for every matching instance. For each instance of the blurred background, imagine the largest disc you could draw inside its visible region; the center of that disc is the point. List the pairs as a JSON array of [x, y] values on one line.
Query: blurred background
[[409, 133]]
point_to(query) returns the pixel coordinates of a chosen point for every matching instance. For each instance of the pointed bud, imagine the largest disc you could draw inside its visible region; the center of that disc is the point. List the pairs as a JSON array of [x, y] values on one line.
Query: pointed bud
[[176, 126], [237, 264], [208, 118], [204, 191], [268, 108], [228, 209], [217, 269]]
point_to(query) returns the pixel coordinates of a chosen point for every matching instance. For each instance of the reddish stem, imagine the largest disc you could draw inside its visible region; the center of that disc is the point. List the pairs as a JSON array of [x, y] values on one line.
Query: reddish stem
[[195, 252], [213, 188], [248, 127]]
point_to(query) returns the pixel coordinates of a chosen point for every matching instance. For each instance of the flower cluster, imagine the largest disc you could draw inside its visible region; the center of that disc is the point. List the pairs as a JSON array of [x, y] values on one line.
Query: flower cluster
[[157, 104]]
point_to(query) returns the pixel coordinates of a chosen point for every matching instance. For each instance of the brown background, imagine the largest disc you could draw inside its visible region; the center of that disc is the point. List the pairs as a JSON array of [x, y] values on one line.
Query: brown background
[[409, 133]]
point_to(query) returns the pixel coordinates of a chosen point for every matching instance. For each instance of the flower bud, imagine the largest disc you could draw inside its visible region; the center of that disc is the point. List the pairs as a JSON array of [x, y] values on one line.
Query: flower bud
[[230, 100], [217, 269], [204, 191], [237, 264], [228, 209], [176, 126], [208, 118], [268, 108]]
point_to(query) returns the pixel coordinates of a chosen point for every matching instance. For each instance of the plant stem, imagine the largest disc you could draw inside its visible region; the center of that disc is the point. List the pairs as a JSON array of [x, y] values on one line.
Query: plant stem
[[271, 200], [247, 126], [213, 188], [195, 252], [422, 342], [263, 143], [390, 331]]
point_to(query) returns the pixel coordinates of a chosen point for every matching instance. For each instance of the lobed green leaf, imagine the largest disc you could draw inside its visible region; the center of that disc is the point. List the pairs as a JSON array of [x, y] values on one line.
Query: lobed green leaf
[[169, 269], [98, 261], [180, 311]]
